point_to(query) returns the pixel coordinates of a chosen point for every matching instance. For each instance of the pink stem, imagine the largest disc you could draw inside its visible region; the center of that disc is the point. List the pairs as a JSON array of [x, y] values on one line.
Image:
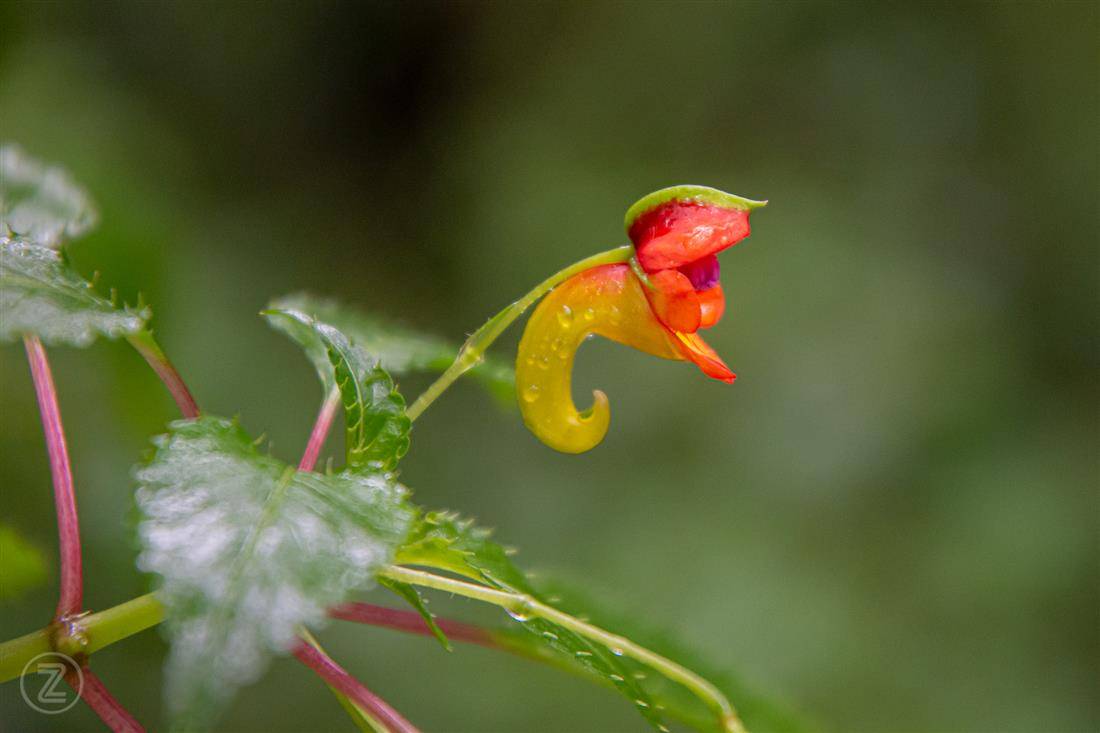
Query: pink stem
[[339, 679], [68, 528], [152, 353], [98, 698], [320, 431], [411, 622]]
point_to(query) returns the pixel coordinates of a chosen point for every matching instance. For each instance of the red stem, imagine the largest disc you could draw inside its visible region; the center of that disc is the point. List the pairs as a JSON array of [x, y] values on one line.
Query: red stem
[[152, 353], [411, 622], [339, 679], [68, 528], [320, 431], [95, 694]]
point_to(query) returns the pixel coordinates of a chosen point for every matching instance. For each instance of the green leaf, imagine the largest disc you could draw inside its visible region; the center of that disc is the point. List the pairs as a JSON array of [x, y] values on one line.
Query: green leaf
[[22, 565], [40, 203], [400, 350], [301, 327], [374, 411], [758, 712], [444, 541], [377, 429], [41, 294], [414, 599], [247, 550]]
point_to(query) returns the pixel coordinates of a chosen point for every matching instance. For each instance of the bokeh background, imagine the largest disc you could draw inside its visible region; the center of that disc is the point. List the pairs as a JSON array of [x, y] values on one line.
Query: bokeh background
[[890, 521]]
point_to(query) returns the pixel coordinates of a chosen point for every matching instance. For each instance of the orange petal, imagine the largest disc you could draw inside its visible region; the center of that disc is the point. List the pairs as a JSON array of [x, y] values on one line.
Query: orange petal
[[694, 348], [674, 300], [712, 304]]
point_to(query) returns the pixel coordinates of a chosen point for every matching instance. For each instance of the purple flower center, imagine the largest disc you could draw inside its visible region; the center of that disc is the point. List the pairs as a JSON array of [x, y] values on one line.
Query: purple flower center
[[703, 272]]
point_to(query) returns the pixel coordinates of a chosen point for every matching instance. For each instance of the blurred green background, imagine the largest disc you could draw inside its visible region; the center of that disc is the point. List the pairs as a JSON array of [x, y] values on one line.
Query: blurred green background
[[891, 520]]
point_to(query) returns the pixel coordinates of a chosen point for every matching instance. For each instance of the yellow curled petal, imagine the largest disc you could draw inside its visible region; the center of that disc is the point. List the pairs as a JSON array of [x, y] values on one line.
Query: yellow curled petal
[[606, 300]]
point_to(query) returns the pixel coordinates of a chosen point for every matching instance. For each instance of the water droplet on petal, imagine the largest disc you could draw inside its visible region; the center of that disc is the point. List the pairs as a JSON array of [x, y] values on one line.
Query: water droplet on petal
[[531, 393], [565, 316], [589, 314]]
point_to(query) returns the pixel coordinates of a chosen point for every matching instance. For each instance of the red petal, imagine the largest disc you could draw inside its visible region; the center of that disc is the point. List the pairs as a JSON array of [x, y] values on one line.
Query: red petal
[[679, 232], [695, 349]]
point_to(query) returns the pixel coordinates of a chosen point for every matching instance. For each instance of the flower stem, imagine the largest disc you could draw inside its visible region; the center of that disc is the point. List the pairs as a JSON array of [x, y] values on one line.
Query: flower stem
[[473, 350], [70, 599], [341, 681], [96, 695], [521, 604], [147, 346], [320, 431]]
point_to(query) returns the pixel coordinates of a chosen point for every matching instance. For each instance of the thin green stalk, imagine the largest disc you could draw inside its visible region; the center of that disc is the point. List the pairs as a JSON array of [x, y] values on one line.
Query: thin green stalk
[[473, 350], [138, 614], [522, 605], [100, 629], [126, 619], [16, 653]]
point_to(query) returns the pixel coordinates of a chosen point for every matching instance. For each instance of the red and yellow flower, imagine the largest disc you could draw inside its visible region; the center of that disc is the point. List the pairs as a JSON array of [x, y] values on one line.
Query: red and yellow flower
[[656, 303]]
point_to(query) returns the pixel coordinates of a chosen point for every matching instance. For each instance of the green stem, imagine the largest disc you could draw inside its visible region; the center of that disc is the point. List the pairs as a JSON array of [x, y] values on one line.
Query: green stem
[[138, 614], [100, 629], [523, 605], [144, 343], [473, 350]]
